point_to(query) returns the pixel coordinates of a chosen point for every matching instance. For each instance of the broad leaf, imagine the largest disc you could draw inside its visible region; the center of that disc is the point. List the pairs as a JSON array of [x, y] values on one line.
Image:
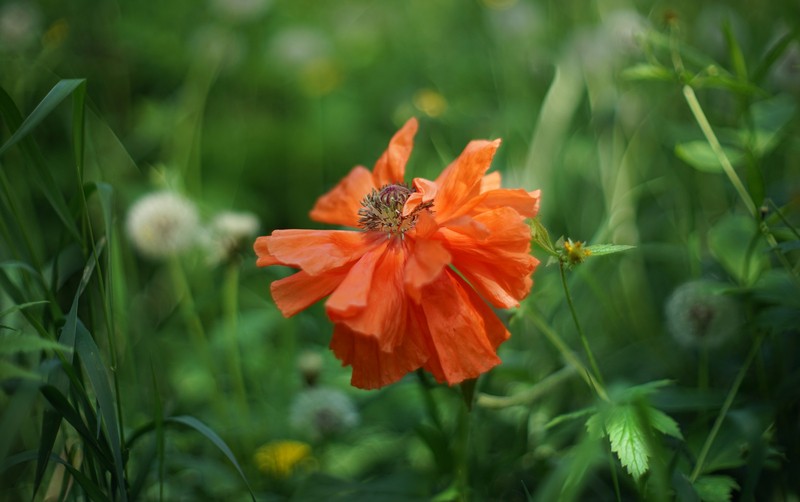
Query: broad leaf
[[699, 155], [715, 488]]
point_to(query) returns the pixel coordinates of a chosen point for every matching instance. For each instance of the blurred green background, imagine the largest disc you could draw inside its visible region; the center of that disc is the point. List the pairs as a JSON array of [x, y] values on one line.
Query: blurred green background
[[261, 106]]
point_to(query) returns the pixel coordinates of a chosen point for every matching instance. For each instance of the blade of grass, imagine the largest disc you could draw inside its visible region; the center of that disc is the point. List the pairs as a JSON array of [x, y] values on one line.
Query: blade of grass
[[95, 369], [22, 128], [215, 439]]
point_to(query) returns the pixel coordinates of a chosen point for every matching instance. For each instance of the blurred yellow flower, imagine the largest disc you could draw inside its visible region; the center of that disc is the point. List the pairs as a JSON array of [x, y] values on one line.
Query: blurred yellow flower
[[430, 102], [281, 458]]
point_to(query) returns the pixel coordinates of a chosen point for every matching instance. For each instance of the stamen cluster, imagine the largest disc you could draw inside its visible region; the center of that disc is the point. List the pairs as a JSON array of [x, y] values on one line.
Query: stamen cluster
[[382, 210]]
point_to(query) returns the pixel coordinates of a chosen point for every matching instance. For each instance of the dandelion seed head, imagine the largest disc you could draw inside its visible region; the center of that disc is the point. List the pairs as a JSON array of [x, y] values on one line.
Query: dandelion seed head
[[700, 315], [321, 412], [163, 224]]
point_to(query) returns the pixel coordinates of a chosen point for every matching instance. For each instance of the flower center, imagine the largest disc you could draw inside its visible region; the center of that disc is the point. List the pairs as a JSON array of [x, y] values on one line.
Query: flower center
[[382, 210]]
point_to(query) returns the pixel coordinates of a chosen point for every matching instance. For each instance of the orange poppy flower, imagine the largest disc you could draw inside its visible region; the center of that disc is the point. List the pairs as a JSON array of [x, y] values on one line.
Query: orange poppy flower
[[410, 288]]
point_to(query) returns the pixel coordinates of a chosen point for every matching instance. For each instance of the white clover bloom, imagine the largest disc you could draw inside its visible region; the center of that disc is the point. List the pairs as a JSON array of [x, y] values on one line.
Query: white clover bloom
[[163, 224], [227, 232], [700, 315], [321, 412]]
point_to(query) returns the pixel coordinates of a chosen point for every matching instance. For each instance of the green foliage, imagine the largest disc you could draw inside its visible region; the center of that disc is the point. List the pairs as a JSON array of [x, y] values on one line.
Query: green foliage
[[630, 422], [671, 133]]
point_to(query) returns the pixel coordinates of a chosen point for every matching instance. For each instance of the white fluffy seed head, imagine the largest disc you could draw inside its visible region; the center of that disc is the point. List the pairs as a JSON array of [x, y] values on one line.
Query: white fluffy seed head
[[700, 315], [163, 224], [321, 412]]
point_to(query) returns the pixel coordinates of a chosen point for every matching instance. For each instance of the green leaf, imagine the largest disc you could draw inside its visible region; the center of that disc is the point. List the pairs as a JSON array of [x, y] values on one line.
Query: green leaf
[[699, 155], [770, 116], [628, 438], [12, 343], [734, 242], [647, 71], [215, 439], [715, 488], [542, 237], [603, 249], [56, 95], [663, 423], [735, 52], [41, 172], [98, 376]]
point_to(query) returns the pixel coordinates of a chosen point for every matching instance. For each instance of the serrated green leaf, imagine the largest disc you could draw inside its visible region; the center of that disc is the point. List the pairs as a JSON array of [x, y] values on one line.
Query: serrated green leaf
[[12, 343], [663, 423], [595, 426], [699, 155], [715, 488], [603, 249], [647, 71], [628, 438]]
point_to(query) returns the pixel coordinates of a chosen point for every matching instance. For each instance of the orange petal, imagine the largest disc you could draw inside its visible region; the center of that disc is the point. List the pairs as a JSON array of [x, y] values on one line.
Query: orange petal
[[525, 203], [491, 181], [459, 344], [264, 258], [299, 291], [317, 251], [372, 301], [372, 367], [428, 259], [353, 294], [391, 166], [461, 180], [498, 265], [340, 206]]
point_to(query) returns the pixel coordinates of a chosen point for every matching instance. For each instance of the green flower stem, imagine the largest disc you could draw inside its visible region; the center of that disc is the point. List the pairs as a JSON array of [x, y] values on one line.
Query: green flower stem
[[569, 356], [527, 397], [230, 300], [461, 451], [708, 132], [584, 341], [701, 458]]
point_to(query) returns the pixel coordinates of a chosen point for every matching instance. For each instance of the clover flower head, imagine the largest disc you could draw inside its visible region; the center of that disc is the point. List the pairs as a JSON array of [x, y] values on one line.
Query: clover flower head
[[410, 286], [163, 224], [322, 412], [281, 459], [699, 315]]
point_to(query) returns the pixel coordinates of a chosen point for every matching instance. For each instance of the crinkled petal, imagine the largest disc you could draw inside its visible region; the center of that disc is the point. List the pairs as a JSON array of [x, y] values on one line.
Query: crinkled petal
[[340, 206], [461, 180], [372, 367], [316, 251], [353, 294], [498, 265], [427, 260], [459, 344], [371, 301], [525, 203], [299, 291], [391, 166]]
